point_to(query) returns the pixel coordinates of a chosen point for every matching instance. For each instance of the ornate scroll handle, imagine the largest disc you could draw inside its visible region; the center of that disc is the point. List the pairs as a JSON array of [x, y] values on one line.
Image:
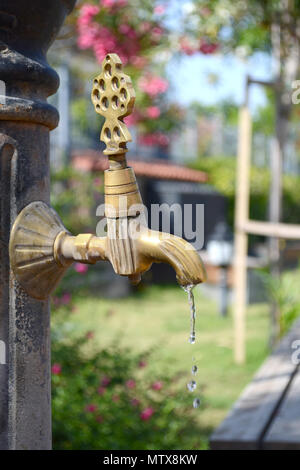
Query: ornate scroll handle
[[113, 97]]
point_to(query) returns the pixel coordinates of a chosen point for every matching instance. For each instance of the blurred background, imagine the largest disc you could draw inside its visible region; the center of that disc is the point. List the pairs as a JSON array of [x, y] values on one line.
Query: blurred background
[[121, 357]]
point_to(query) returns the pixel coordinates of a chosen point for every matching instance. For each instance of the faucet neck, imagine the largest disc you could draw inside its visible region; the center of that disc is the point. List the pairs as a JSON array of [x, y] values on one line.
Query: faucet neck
[[117, 162]]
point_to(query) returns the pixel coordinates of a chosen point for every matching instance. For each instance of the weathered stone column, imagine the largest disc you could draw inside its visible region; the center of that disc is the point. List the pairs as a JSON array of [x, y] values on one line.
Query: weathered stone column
[[27, 29]]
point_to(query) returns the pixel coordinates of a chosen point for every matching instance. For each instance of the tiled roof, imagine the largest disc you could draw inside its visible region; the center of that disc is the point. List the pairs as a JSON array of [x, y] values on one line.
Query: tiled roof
[[91, 160]]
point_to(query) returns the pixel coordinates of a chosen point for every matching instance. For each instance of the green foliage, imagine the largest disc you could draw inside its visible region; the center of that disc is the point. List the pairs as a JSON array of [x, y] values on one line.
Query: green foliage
[[222, 175], [104, 399], [74, 195], [237, 25], [283, 292]]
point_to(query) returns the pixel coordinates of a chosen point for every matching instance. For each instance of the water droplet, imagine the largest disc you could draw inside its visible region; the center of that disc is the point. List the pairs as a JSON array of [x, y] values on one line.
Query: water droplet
[[192, 339], [196, 403], [192, 385], [194, 370]]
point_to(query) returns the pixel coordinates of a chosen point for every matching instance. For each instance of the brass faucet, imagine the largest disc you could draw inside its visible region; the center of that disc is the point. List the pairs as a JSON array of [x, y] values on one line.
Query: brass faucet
[[41, 249]]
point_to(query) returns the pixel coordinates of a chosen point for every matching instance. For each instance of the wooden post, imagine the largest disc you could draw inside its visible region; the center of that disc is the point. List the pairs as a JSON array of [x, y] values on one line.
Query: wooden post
[[241, 238]]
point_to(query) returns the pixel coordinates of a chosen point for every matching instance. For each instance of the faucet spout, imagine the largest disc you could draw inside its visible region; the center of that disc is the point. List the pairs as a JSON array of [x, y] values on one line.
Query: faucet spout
[[159, 247]]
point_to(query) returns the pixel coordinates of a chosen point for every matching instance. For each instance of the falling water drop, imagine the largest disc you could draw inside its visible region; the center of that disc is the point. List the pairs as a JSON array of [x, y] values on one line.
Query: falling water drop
[[191, 300], [196, 403], [192, 385]]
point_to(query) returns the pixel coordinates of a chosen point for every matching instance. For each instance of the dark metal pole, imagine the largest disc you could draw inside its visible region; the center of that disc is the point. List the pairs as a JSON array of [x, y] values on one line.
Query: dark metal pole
[[27, 29]]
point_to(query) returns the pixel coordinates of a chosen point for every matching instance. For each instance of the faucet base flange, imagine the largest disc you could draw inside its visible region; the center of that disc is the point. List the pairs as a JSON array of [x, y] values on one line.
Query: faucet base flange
[[31, 249]]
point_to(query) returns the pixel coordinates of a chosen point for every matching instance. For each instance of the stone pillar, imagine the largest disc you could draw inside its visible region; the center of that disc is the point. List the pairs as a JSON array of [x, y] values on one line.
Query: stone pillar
[[27, 29]]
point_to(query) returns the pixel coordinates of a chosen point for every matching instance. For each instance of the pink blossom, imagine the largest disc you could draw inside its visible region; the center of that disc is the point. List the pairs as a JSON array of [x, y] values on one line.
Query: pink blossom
[[147, 413], [159, 9], [153, 85], [86, 14], [142, 363], [205, 11], [128, 31], [101, 390], [56, 369], [157, 385], [153, 112], [97, 181], [186, 47], [105, 381], [66, 298], [135, 402], [107, 3], [144, 26], [88, 35], [155, 138], [139, 61], [132, 119], [156, 33], [81, 268], [91, 408], [90, 335], [207, 48], [130, 383]]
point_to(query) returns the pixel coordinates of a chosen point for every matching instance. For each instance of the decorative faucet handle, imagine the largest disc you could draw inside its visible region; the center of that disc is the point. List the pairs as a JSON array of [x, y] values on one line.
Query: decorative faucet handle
[[113, 97]]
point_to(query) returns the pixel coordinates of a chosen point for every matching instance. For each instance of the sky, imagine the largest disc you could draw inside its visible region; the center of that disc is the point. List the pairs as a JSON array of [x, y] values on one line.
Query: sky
[[190, 79], [190, 75]]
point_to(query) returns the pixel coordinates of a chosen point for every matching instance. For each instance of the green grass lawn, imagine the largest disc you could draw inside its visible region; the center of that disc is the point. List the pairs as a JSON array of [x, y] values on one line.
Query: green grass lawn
[[158, 318]]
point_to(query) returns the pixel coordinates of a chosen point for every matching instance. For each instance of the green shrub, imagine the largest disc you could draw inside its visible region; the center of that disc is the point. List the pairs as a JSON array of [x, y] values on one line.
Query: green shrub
[[104, 399], [222, 175]]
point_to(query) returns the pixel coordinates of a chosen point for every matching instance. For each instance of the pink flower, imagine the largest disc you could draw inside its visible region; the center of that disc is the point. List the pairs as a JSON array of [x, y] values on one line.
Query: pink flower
[[105, 381], [156, 138], [186, 47], [144, 26], [130, 383], [153, 112], [66, 298], [91, 408], [135, 402], [90, 335], [157, 385], [156, 33], [147, 413], [97, 181], [86, 14], [142, 363], [132, 119], [139, 61], [207, 48], [153, 85], [159, 9], [99, 418], [107, 3], [56, 369], [81, 268], [101, 390]]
